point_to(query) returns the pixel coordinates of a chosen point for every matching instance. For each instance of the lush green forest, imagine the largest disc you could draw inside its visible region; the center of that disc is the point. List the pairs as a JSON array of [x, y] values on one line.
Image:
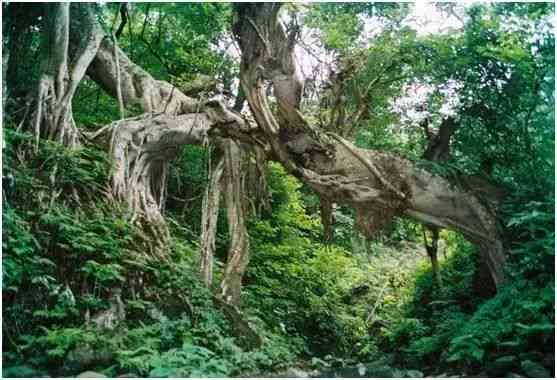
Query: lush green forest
[[278, 190]]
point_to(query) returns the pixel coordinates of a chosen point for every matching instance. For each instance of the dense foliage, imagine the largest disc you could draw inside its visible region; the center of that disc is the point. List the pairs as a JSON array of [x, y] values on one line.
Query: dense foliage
[[71, 252]]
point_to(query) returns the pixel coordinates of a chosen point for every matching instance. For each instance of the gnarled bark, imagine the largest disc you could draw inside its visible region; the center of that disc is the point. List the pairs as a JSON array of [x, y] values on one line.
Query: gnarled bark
[[61, 74], [238, 251], [137, 86], [209, 218], [143, 145], [379, 185]]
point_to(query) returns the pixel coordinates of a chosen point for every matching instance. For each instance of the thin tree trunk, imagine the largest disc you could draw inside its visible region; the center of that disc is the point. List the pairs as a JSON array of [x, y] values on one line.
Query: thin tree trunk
[[438, 150], [238, 252], [209, 218], [432, 252], [327, 219]]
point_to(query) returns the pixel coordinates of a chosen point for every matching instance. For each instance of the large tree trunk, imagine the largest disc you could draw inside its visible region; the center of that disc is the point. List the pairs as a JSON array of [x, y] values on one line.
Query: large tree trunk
[[379, 185], [137, 86], [60, 73], [141, 147]]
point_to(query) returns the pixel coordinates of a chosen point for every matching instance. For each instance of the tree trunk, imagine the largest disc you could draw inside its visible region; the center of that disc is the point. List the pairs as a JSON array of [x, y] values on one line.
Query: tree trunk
[[432, 252], [238, 252], [378, 185], [209, 218], [61, 74], [438, 150], [333, 167], [19, 23], [327, 219]]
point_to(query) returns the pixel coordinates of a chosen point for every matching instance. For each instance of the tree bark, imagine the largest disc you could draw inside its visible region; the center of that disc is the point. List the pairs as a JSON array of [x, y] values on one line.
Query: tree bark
[[61, 74], [209, 218], [337, 169], [18, 23], [327, 219], [378, 185], [238, 251], [438, 150], [137, 86], [432, 252]]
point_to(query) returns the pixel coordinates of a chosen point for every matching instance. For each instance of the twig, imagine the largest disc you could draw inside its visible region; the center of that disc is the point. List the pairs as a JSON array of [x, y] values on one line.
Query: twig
[[377, 301]]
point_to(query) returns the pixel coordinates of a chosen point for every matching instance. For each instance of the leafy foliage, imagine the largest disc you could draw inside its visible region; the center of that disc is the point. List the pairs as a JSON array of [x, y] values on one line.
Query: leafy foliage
[[68, 248]]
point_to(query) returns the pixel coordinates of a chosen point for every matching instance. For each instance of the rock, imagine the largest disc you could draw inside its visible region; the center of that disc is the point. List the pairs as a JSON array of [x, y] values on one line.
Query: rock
[[502, 365], [128, 375], [84, 357], [533, 369], [90, 374], [513, 375], [380, 371], [414, 373], [295, 372], [359, 370]]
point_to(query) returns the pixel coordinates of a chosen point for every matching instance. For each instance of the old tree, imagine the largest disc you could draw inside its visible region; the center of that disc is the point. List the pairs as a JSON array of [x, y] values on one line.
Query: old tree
[[378, 185], [234, 189]]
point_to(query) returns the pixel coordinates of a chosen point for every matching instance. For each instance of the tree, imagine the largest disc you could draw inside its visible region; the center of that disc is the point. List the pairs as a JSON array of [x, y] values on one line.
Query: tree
[[377, 184], [332, 166]]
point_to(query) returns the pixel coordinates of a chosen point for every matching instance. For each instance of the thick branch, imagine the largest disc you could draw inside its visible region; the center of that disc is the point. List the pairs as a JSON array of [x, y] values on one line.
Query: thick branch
[[340, 171]]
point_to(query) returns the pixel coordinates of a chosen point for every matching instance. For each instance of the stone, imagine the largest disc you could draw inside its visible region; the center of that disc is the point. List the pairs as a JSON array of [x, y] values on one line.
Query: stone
[[128, 375], [84, 357], [513, 375], [90, 374], [533, 369], [351, 371], [380, 371], [295, 372], [414, 373]]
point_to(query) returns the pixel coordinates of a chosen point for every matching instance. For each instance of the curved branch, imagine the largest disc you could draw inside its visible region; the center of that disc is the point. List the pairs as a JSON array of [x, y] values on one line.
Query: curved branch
[[335, 170]]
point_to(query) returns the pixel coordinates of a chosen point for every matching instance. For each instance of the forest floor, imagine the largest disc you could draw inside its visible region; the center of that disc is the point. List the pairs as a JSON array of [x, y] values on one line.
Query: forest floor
[[390, 260]]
